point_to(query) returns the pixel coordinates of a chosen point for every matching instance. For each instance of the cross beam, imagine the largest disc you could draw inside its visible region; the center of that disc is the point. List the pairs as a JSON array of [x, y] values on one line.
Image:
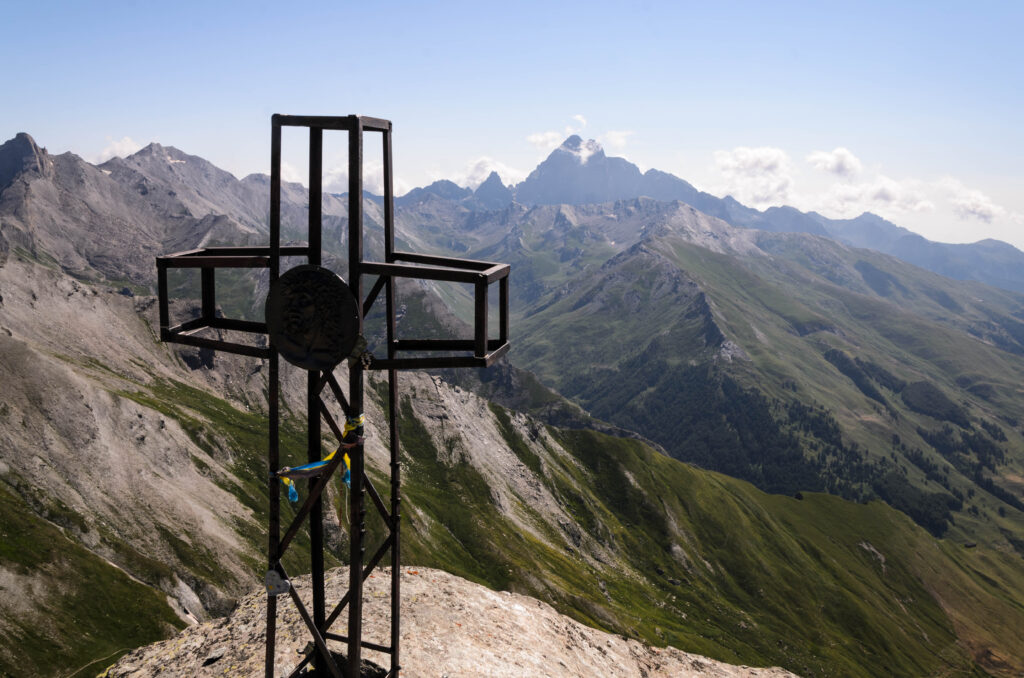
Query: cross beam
[[481, 350]]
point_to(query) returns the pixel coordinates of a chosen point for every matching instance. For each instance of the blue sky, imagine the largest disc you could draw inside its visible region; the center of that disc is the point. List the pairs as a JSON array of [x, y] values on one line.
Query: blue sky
[[911, 111]]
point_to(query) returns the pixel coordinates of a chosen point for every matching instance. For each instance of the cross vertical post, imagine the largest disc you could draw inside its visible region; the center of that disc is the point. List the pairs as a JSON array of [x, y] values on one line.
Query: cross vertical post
[[317, 335], [357, 506], [396, 468], [273, 437]]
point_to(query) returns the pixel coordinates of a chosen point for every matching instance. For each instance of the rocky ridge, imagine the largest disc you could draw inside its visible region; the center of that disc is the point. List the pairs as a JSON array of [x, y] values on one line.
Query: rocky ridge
[[450, 627], [131, 448]]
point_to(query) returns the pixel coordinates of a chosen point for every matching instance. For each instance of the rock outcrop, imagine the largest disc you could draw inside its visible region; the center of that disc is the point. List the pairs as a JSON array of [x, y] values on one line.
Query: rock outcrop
[[450, 627]]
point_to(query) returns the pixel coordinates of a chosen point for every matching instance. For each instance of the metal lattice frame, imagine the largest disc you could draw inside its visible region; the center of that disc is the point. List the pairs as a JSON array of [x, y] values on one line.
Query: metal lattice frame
[[479, 351]]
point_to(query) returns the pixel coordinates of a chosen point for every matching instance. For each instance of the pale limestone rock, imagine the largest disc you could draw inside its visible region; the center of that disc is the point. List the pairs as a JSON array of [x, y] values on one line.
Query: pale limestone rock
[[450, 627]]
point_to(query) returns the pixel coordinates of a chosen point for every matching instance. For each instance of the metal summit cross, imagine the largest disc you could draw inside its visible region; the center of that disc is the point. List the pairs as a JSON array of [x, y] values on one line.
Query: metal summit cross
[[315, 320]]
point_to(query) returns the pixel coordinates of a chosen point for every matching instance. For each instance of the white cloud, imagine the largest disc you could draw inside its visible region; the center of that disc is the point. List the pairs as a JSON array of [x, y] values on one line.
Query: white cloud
[[969, 203], [760, 176], [546, 141], [291, 174], [882, 194], [336, 179], [550, 140], [476, 171], [616, 140], [120, 149], [839, 161], [841, 186]]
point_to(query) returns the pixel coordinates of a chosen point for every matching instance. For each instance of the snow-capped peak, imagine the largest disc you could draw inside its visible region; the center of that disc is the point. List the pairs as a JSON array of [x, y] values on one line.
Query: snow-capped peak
[[581, 149]]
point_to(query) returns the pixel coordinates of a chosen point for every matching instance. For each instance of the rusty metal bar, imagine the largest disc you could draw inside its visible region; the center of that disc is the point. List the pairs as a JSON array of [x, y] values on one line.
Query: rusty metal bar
[[503, 310], [396, 468], [442, 362], [315, 492], [340, 396], [314, 630], [274, 494], [162, 296], [480, 321], [321, 121], [189, 326], [377, 501], [238, 325], [340, 607], [244, 252], [316, 195], [348, 123], [372, 296], [357, 508], [450, 262], [389, 199], [396, 498], [365, 643], [443, 344], [217, 261], [252, 251], [333, 425], [313, 402], [273, 453], [479, 274], [207, 288], [297, 671], [461, 275], [375, 124], [218, 345], [496, 272], [315, 501], [323, 381]]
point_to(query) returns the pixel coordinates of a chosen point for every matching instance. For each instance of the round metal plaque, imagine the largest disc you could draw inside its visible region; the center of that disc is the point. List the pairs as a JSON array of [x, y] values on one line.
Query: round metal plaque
[[312, 318]]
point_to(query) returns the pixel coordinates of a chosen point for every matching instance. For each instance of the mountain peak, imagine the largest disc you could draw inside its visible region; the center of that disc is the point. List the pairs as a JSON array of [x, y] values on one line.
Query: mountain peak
[[492, 177], [573, 143], [580, 148], [442, 188], [151, 148], [21, 154], [493, 194]]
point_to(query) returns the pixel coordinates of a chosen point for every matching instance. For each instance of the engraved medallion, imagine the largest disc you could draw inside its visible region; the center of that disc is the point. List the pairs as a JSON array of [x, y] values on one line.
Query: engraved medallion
[[312, 318]]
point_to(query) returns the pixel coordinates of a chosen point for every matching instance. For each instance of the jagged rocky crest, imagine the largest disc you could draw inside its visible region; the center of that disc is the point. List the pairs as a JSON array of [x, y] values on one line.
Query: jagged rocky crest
[[788, 359], [450, 627]]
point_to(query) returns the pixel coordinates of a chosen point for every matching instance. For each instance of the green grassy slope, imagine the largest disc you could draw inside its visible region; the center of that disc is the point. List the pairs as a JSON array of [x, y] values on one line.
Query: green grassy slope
[[689, 558], [815, 368], [84, 611], [712, 565]]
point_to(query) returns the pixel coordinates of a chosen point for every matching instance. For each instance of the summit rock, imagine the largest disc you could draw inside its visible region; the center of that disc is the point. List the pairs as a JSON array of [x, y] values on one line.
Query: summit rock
[[579, 172], [450, 627], [21, 154], [492, 194]]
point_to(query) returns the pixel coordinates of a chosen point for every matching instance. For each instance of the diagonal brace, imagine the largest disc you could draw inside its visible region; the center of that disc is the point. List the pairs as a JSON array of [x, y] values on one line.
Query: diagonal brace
[[366, 573], [372, 296], [377, 501], [318, 639], [307, 506]]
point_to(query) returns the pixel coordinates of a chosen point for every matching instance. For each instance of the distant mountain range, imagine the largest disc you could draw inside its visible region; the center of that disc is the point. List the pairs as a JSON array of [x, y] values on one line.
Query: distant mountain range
[[578, 172], [864, 392]]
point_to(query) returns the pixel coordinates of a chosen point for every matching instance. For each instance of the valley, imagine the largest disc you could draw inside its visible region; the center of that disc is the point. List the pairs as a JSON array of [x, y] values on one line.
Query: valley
[[769, 448]]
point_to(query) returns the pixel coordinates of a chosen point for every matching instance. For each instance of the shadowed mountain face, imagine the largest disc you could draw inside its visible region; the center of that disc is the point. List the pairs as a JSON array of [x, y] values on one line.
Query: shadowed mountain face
[[579, 172], [789, 360], [989, 261], [104, 223]]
